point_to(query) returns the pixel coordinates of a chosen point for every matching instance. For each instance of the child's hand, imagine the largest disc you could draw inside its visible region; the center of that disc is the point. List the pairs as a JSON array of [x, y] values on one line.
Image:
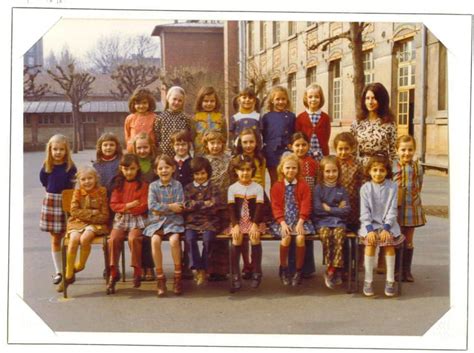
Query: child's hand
[[208, 203], [326, 207], [342, 204], [300, 227], [371, 238], [235, 232], [285, 230], [384, 236], [176, 207], [132, 204], [254, 233], [156, 213]]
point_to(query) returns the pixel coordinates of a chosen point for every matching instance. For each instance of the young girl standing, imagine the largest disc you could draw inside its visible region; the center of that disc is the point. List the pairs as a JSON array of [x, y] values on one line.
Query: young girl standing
[[56, 175], [277, 127], [201, 201], [170, 120], [315, 123], [378, 218], [245, 200], [142, 106], [108, 154], [291, 206], [144, 148], [165, 203], [129, 202], [214, 146], [89, 217], [299, 145], [330, 209], [247, 117], [207, 117], [409, 178]]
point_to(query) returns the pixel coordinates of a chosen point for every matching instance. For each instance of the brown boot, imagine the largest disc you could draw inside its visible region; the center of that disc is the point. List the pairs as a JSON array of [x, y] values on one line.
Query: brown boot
[[161, 286], [177, 286], [407, 260]]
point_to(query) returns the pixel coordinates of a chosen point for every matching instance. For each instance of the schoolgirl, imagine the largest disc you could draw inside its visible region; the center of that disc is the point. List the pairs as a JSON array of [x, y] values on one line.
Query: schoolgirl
[[144, 148], [56, 175], [108, 154]]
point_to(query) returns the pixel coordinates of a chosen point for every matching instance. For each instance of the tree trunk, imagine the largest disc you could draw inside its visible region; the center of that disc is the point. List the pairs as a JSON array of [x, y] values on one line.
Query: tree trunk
[[75, 131], [357, 60]]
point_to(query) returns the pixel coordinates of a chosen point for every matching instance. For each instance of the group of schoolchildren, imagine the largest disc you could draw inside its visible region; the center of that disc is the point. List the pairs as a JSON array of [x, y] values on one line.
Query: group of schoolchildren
[[199, 178]]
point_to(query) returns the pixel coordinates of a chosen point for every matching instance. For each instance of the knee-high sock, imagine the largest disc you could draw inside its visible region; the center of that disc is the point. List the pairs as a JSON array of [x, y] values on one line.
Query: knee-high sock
[[56, 261], [284, 255], [70, 260], [369, 262], [257, 258], [300, 250], [390, 261], [83, 256]]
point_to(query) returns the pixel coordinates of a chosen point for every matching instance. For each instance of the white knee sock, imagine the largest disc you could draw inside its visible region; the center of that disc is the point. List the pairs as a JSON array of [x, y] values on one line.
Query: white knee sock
[[390, 261], [369, 262], [57, 261]]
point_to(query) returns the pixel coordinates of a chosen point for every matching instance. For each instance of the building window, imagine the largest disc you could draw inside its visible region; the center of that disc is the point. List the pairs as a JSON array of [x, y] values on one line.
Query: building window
[[46, 120], [310, 75], [368, 62], [442, 78], [292, 88], [336, 90], [250, 38], [406, 64], [406, 59], [276, 32], [27, 120], [291, 28], [263, 35]]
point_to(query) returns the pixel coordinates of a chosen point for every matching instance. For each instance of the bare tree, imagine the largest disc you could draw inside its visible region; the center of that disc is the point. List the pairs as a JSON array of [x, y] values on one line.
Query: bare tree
[[129, 77], [76, 87], [31, 90], [258, 80], [354, 36], [112, 51]]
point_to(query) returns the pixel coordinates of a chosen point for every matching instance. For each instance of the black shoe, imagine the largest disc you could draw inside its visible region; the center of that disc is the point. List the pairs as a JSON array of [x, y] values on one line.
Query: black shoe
[[246, 275], [256, 279], [58, 277], [296, 280], [284, 277], [236, 284]]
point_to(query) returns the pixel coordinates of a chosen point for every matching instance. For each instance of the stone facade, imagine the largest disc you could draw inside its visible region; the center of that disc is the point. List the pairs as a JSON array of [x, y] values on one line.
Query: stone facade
[[396, 54]]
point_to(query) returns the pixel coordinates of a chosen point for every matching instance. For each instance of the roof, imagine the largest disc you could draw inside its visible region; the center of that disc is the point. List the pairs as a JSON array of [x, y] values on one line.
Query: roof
[[186, 25], [89, 107]]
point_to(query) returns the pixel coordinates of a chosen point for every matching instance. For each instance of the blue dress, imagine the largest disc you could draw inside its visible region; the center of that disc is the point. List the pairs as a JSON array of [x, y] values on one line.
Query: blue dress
[[277, 128]]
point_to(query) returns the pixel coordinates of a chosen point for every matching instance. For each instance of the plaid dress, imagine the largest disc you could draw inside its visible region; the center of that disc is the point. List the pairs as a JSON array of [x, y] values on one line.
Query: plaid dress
[[409, 179], [159, 197], [53, 218]]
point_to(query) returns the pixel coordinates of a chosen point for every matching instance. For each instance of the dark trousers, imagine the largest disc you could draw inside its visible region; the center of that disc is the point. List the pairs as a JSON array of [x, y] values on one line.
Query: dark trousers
[[199, 261]]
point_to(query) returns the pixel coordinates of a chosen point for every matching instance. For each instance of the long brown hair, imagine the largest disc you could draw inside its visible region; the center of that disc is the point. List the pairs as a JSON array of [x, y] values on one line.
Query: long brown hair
[[383, 99], [107, 136]]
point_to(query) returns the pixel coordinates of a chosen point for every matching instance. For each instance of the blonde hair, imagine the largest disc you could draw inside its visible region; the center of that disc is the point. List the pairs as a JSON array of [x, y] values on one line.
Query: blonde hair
[[288, 158], [178, 89], [144, 136], [213, 135], [325, 161], [48, 160], [321, 94], [275, 89], [87, 169]]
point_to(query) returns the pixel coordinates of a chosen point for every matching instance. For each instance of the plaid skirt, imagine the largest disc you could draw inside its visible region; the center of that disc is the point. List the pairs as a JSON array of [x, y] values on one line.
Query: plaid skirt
[[127, 221], [53, 218], [392, 241]]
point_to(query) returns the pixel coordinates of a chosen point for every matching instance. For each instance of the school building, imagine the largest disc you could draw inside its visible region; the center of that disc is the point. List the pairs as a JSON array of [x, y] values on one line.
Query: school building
[[100, 113], [405, 57]]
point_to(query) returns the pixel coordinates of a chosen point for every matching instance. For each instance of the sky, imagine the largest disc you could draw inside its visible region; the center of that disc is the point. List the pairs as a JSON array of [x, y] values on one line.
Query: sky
[[81, 35]]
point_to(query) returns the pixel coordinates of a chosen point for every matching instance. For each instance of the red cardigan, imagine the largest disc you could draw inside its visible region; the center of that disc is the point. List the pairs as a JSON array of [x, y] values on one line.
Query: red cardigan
[[302, 196], [128, 194], [322, 129]]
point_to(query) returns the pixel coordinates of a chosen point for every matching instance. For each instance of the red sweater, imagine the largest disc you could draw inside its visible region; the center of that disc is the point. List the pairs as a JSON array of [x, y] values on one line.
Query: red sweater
[[322, 129], [302, 196], [128, 194]]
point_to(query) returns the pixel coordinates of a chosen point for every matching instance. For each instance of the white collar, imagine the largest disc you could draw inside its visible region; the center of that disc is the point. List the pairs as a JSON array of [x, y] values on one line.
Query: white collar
[[253, 115], [294, 182], [316, 112], [178, 159], [203, 184]]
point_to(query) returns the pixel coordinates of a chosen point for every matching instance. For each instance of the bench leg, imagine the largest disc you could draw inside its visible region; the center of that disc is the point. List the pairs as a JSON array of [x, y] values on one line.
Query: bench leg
[[349, 281], [356, 264], [123, 261], [230, 262], [63, 258], [105, 248], [400, 268]]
